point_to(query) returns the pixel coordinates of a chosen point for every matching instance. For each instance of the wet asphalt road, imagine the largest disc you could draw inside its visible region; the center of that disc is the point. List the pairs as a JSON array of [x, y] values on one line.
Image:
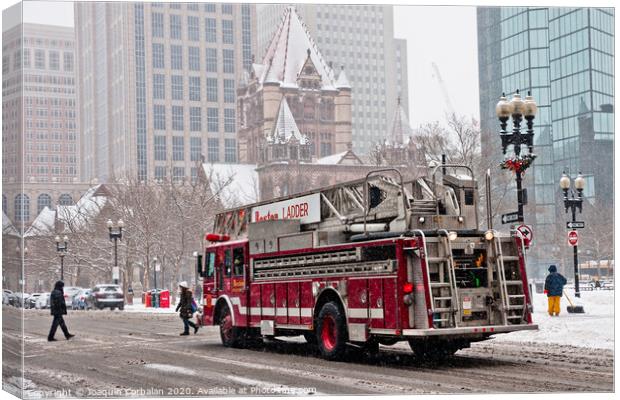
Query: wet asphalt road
[[122, 354]]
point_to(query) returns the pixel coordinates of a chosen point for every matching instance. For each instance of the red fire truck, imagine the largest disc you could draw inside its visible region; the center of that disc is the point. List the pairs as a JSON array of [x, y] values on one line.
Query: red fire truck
[[368, 262]]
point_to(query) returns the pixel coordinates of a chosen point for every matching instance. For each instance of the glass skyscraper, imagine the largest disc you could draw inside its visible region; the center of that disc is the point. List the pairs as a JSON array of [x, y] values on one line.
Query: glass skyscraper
[[564, 56]]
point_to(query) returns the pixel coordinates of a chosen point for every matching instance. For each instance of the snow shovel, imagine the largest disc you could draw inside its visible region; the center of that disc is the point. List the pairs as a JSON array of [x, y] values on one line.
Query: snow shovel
[[573, 309]]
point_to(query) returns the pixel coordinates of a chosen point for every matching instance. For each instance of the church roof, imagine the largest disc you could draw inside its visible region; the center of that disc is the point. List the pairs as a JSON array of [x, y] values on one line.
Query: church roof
[[286, 128], [343, 81], [288, 52], [400, 126]]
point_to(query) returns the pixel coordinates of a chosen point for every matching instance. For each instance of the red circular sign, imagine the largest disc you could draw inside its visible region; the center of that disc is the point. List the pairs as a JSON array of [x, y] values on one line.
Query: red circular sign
[[527, 234], [573, 238]]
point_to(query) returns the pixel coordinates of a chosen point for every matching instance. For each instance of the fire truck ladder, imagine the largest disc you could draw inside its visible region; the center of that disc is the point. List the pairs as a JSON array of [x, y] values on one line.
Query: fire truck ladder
[[443, 295], [509, 306]]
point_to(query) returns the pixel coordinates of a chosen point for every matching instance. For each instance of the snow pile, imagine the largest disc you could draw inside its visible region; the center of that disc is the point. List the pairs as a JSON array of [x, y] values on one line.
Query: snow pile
[[594, 329]]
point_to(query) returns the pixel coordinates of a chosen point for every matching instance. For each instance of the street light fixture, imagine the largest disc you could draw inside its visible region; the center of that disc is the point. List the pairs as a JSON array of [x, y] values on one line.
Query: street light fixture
[[116, 234], [518, 109], [62, 250], [573, 204]]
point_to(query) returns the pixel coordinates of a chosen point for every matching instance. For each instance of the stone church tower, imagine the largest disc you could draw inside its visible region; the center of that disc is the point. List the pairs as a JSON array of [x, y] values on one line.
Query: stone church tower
[[398, 147], [293, 79]]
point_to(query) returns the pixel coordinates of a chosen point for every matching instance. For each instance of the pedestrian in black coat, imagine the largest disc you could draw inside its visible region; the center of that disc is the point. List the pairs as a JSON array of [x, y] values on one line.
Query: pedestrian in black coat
[[58, 308]]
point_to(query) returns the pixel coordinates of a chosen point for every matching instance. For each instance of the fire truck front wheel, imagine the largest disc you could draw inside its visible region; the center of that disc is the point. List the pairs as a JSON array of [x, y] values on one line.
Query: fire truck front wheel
[[331, 331], [228, 333]]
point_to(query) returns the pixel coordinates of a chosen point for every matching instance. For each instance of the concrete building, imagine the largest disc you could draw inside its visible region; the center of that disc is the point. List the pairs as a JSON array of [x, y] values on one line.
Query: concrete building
[[360, 38], [565, 57], [292, 98], [40, 135], [158, 85]]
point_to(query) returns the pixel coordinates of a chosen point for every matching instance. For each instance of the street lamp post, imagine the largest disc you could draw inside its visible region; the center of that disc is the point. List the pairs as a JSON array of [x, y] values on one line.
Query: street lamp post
[[116, 232], [518, 109], [574, 204], [156, 267], [62, 250]]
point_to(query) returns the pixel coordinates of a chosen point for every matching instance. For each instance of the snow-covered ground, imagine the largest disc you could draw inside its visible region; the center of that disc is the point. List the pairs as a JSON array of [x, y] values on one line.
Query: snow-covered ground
[[594, 329], [138, 307]]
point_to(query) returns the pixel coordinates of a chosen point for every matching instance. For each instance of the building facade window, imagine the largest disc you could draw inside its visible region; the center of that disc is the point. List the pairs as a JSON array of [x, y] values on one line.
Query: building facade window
[[160, 172], [39, 59], [176, 56], [228, 61], [194, 88], [211, 60], [195, 148], [44, 200], [22, 208], [26, 58], [158, 55], [157, 24], [211, 30], [193, 58], [195, 119], [65, 199], [175, 26], [178, 173], [227, 8], [193, 28], [176, 83], [159, 117], [178, 148], [159, 147], [229, 91], [227, 31], [213, 150], [159, 86], [212, 120], [230, 150], [54, 60], [212, 89], [229, 120], [210, 7], [177, 118]]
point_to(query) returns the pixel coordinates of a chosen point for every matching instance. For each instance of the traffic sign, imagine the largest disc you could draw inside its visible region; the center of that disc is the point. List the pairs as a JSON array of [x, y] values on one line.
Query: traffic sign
[[527, 233], [510, 217], [115, 273], [575, 225], [573, 238]]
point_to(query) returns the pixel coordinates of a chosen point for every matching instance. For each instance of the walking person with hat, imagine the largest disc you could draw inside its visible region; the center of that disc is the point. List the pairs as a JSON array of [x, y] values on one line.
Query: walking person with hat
[[186, 308], [554, 285]]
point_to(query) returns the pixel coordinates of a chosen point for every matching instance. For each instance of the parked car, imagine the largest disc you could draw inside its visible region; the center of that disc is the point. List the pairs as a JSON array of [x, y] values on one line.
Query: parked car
[[106, 295], [79, 300], [32, 300], [43, 301], [21, 299], [70, 291], [6, 296]]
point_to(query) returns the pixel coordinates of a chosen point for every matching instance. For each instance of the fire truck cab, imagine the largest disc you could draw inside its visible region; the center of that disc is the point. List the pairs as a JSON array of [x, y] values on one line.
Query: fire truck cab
[[368, 262]]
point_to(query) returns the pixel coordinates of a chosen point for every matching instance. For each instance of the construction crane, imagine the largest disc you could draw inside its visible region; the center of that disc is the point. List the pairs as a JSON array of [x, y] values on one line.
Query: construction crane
[[442, 85]]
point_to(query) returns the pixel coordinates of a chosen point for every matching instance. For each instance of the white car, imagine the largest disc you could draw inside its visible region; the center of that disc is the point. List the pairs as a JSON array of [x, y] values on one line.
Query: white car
[[43, 301]]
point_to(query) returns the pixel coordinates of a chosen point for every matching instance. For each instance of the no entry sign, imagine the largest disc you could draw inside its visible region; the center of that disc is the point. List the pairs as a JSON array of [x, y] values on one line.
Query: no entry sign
[[573, 238]]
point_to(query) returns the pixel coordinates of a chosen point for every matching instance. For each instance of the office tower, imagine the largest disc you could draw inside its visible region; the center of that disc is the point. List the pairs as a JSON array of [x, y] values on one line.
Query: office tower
[[360, 38], [157, 87], [40, 159], [565, 57]]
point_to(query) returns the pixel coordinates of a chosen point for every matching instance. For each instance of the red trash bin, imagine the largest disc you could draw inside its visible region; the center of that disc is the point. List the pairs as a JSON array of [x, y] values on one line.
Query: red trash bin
[[164, 299], [147, 299]]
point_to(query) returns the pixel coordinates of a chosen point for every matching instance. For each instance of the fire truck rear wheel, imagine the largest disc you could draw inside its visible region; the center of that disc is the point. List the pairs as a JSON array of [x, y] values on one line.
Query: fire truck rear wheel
[[228, 333], [331, 331]]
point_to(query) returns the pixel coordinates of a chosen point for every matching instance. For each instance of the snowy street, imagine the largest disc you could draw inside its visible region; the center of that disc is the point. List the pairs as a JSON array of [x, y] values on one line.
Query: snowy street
[[137, 353]]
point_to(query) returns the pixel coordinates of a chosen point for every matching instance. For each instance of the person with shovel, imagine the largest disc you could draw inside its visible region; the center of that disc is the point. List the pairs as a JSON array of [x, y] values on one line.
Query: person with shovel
[[554, 286]]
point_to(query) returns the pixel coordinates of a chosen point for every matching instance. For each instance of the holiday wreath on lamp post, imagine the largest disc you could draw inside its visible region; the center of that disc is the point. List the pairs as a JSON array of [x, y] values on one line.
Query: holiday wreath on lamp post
[[518, 163]]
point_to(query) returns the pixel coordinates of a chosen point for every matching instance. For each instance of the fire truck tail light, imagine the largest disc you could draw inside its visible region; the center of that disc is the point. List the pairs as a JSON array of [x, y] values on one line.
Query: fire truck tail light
[[408, 287], [214, 237]]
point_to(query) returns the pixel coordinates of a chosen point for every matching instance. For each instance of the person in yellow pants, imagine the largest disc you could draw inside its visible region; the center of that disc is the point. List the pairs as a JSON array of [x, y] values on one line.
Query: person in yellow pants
[[554, 285]]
